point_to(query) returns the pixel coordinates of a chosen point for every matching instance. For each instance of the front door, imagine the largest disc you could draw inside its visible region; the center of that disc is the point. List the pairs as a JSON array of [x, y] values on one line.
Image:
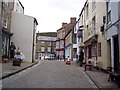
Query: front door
[[116, 54]]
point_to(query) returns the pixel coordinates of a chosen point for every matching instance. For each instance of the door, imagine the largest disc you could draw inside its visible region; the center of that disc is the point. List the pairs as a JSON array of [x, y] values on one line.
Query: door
[[116, 54]]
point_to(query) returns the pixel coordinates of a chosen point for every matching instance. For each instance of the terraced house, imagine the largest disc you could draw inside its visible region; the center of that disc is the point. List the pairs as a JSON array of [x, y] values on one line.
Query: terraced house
[[6, 13], [113, 33], [92, 18], [62, 50]]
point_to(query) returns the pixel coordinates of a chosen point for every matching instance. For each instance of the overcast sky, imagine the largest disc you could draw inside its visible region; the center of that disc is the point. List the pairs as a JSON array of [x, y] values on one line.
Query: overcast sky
[[51, 13]]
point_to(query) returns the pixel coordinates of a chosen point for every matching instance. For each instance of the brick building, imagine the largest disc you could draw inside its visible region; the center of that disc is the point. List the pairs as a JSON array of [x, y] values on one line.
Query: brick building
[[45, 45]]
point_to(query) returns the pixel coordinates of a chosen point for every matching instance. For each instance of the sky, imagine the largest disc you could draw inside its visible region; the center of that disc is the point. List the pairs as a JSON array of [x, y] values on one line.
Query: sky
[[51, 13]]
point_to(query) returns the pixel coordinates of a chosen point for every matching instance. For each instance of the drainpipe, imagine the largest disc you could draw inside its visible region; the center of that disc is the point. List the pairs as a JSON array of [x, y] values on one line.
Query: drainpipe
[[0, 40], [0, 33], [33, 42], [119, 29]]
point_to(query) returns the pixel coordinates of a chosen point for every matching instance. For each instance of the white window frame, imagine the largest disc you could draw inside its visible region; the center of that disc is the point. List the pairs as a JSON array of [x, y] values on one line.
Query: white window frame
[[49, 49], [109, 17], [6, 2], [5, 22], [42, 49]]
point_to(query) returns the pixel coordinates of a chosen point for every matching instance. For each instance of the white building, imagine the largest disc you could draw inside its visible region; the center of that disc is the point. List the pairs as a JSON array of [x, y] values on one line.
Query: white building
[[113, 32], [18, 7], [23, 28]]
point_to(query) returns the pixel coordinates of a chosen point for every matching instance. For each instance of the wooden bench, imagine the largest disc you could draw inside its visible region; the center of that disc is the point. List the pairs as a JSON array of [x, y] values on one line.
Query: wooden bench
[[114, 76], [89, 66]]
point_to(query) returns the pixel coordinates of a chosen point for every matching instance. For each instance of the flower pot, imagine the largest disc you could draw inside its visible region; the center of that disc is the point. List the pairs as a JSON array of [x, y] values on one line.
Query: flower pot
[[16, 63]]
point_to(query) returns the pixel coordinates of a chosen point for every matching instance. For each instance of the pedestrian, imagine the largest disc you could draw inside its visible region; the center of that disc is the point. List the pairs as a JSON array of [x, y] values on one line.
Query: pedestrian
[[58, 57], [12, 50], [81, 57]]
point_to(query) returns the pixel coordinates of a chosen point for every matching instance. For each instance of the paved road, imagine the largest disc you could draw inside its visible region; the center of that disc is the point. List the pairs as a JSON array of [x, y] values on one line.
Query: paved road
[[50, 74]]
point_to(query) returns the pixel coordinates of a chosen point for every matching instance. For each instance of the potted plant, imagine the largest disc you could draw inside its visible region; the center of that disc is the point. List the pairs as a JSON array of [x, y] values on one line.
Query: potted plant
[[4, 58], [17, 61], [18, 58]]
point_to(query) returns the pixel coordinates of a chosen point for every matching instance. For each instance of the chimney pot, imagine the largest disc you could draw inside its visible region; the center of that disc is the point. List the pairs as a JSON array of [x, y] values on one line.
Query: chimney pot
[[73, 20], [64, 24]]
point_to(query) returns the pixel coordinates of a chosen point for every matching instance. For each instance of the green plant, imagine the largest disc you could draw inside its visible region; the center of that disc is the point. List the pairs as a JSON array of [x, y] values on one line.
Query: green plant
[[18, 59]]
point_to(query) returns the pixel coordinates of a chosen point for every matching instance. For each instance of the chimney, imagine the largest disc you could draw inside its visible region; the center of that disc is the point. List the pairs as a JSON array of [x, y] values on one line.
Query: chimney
[[64, 24], [73, 20]]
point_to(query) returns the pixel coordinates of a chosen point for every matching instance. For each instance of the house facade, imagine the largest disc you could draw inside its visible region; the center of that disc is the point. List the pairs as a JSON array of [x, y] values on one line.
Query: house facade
[[6, 22], [6, 14], [46, 45], [60, 42], [18, 7], [68, 45], [78, 42], [92, 19], [24, 28], [69, 29], [113, 33]]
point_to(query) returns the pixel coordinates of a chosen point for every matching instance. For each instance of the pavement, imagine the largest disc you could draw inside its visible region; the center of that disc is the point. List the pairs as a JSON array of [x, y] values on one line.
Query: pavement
[[98, 77], [8, 69]]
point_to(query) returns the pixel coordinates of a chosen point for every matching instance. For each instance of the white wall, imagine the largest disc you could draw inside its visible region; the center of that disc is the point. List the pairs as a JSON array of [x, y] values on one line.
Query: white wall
[[22, 29], [114, 17], [17, 7]]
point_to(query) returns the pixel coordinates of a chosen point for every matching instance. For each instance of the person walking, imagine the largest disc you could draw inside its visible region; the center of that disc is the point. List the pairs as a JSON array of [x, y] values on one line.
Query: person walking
[[12, 50], [81, 57]]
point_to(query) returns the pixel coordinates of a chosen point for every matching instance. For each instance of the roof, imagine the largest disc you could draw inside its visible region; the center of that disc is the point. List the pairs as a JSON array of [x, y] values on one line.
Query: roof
[[69, 28], [49, 34]]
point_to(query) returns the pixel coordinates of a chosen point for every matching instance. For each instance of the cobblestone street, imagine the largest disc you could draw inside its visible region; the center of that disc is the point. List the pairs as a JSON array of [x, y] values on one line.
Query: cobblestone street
[[50, 74]]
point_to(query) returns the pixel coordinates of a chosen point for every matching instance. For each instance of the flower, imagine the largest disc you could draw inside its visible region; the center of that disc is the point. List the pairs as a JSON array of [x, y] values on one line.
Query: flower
[[18, 59]]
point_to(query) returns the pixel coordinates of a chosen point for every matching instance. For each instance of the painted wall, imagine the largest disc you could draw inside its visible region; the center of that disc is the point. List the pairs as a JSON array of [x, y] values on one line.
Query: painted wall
[[22, 28], [68, 51], [17, 7], [113, 30], [114, 17], [90, 31]]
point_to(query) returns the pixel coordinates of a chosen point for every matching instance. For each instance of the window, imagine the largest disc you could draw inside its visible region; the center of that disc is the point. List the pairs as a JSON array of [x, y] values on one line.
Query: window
[[6, 2], [42, 49], [93, 23], [82, 20], [108, 5], [5, 19], [94, 50], [49, 43], [109, 16], [42, 43], [78, 40], [49, 49], [87, 27], [99, 49], [87, 10], [93, 4], [74, 39], [63, 34]]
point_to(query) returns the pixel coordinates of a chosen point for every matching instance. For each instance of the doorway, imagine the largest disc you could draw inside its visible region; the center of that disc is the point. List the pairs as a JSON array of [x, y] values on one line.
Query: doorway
[[116, 53]]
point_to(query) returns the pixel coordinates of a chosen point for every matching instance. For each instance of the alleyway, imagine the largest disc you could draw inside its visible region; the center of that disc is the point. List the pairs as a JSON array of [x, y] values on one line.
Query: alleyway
[[50, 74]]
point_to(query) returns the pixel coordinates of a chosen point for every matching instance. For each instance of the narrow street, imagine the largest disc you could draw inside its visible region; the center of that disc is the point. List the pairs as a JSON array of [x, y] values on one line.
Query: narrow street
[[50, 74]]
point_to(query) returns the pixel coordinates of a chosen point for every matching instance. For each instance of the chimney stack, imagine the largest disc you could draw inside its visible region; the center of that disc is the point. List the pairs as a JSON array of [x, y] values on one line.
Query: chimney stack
[[73, 20], [64, 24]]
